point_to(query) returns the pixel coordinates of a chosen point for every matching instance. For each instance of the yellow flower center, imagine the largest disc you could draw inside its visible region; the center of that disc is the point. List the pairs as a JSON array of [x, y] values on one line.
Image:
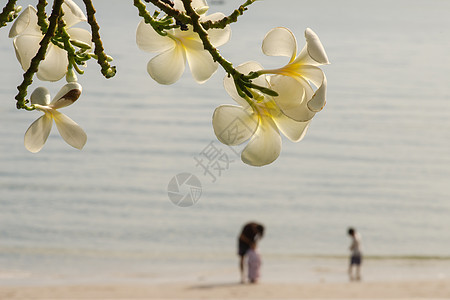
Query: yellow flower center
[[264, 104]]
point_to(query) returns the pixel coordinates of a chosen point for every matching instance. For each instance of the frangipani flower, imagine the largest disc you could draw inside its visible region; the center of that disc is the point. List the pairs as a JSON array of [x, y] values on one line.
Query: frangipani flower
[[281, 41], [261, 120], [27, 35], [39, 130], [181, 45]]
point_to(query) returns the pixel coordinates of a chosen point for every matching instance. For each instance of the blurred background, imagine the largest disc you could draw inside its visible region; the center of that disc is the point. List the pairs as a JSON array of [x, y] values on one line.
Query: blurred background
[[376, 158]]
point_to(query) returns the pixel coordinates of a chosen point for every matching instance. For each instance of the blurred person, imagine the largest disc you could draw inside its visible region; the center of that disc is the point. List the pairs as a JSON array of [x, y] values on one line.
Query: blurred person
[[356, 255], [251, 233], [254, 265]]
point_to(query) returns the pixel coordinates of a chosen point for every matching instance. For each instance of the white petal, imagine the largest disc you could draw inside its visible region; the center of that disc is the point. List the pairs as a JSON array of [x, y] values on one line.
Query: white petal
[[293, 130], [280, 41], [311, 73], [200, 6], [233, 125], [26, 47], [313, 53], [293, 94], [178, 5], [54, 66], [252, 66], [26, 23], [200, 61], [288, 88], [37, 133], [315, 102], [81, 35], [40, 96], [149, 40], [72, 13], [185, 35], [68, 94], [167, 67], [230, 88], [318, 101], [265, 145], [70, 131], [217, 37]]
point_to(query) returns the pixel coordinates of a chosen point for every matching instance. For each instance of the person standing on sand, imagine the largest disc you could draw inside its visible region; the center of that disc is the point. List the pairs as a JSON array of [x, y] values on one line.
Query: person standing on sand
[[254, 265], [251, 233], [356, 256]]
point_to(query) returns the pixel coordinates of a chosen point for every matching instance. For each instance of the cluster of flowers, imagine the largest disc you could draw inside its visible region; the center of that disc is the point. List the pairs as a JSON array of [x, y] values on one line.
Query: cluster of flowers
[[288, 109], [27, 35]]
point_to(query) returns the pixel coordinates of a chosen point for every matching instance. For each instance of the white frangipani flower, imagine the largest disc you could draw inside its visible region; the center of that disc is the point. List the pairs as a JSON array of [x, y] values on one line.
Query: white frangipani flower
[[281, 41], [179, 46], [27, 36], [39, 130], [261, 120]]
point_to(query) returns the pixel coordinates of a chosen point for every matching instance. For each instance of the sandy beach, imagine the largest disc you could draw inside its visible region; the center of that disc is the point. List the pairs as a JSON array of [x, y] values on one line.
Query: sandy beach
[[439, 289], [302, 278]]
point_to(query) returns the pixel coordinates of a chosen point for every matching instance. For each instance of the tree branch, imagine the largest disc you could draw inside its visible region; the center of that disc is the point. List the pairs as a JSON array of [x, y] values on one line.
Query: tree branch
[[42, 16], [102, 58], [180, 16], [232, 18], [5, 15], [40, 55]]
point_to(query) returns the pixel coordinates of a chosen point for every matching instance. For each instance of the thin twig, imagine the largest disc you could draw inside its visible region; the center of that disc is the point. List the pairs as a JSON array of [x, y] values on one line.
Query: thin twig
[[158, 25], [40, 55], [232, 18], [180, 16], [198, 28], [102, 58], [42, 16], [6, 12], [242, 82]]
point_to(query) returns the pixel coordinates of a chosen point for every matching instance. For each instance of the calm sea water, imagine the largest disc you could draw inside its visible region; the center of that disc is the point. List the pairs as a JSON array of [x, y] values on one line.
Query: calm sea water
[[377, 157]]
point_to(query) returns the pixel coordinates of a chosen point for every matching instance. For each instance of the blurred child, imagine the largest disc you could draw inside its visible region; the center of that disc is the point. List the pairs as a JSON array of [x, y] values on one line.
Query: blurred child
[[356, 256]]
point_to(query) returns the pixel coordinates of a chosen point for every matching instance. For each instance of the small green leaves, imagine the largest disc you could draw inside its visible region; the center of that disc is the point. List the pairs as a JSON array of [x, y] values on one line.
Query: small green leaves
[[160, 25], [243, 84]]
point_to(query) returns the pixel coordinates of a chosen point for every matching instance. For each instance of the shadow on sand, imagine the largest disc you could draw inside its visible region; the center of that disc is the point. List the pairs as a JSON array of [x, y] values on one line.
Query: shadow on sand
[[215, 285]]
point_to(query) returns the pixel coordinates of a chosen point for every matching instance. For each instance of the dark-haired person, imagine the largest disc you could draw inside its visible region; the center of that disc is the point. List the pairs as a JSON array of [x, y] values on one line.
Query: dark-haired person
[[250, 234], [356, 255]]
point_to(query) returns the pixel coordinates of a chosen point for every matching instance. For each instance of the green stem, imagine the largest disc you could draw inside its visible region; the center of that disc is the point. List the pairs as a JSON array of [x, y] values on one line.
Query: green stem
[[242, 82], [106, 68], [198, 28], [226, 65], [6, 12], [232, 18], [180, 16], [40, 55], [158, 25], [42, 16], [143, 11], [71, 56]]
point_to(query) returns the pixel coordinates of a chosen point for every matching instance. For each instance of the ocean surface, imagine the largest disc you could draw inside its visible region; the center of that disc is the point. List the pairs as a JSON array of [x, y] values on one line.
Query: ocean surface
[[376, 158]]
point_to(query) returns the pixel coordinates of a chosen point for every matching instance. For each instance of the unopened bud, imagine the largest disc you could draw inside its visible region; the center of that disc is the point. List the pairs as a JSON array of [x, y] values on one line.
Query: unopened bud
[[80, 44], [71, 76]]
